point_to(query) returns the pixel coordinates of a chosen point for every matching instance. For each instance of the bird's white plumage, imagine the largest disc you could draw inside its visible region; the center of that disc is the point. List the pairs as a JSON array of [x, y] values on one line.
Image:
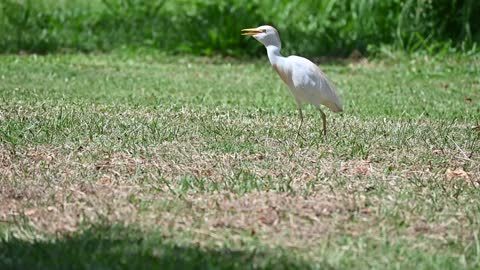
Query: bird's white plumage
[[310, 85], [307, 83]]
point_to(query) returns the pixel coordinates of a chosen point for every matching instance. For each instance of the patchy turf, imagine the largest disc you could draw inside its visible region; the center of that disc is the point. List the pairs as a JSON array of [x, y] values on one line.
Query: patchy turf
[[128, 162]]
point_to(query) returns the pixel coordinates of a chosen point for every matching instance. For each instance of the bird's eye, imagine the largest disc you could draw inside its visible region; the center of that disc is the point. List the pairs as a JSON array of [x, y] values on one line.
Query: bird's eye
[[264, 30]]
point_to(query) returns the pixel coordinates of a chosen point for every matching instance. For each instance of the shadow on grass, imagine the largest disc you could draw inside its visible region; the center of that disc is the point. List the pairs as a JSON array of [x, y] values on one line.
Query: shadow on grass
[[121, 248]]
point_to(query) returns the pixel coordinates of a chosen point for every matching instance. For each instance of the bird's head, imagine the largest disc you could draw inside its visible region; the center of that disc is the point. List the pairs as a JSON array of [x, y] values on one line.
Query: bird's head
[[265, 34]]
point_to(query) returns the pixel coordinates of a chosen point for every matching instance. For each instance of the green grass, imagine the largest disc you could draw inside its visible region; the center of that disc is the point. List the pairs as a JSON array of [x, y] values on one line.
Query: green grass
[[150, 161]]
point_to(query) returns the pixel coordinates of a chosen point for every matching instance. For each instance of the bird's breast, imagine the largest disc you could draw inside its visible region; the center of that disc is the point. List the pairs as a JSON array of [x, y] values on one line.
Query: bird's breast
[[284, 74]]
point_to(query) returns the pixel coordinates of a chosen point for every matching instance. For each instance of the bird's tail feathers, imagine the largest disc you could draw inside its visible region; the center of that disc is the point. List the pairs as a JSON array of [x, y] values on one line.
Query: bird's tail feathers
[[335, 106]]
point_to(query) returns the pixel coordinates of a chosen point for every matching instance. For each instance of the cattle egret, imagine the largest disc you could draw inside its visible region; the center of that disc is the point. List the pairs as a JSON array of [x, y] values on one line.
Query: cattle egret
[[307, 83]]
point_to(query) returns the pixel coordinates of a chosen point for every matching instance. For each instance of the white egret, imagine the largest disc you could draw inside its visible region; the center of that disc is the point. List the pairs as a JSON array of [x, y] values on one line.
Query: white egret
[[307, 83]]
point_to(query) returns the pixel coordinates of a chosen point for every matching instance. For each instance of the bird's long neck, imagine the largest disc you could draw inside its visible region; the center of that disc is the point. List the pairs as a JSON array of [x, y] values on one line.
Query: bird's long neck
[[274, 55]]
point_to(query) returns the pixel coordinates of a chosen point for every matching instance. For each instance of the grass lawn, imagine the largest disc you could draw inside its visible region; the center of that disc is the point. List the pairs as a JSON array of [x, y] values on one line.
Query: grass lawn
[[125, 161]]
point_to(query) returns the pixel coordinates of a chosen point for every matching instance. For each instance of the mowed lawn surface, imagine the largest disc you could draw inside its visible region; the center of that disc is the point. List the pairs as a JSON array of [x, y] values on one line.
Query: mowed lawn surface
[[135, 162]]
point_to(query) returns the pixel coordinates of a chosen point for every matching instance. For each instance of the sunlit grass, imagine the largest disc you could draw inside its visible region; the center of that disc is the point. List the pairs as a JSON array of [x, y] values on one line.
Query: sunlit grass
[[197, 159]]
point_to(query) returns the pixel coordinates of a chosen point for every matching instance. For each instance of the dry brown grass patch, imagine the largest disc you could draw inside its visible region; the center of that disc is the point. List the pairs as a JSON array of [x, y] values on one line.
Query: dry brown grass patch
[[59, 190]]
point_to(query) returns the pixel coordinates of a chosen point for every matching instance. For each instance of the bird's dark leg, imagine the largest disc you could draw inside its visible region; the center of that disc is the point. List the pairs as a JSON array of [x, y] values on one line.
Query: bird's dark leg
[[301, 121], [324, 120]]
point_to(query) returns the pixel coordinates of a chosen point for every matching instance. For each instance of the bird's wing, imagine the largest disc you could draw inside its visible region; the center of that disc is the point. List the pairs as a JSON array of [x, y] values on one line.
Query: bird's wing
[[308, 76]]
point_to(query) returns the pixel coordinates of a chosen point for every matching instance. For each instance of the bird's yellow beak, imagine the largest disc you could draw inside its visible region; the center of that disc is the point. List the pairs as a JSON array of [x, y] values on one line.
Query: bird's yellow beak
[[251, 31]]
